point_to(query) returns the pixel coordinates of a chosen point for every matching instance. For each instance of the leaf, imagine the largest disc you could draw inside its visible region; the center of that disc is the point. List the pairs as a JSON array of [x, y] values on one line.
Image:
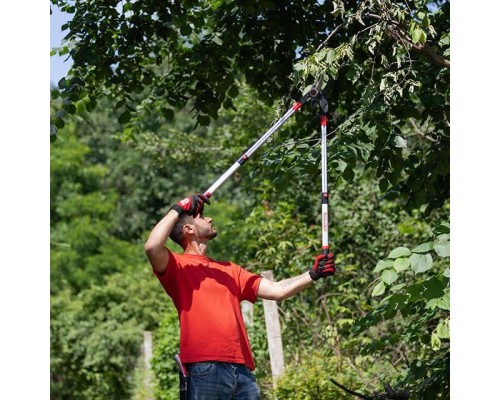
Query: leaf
[[383, 184], [443, 238], [400, 141], [124, 117], [330, 56], [204, 120], [432, 288], [435, 342], [59, 123], [420, 262], [399, 301], [299, 66], [233, 91], [389, 276], [168, 114], [442, 249], [348, 174], [353, 73], [401, 264], [423, 37], [423, 248], [382, 84], [441, 302], [442, 228], [395, 288], [399, 252], [383, 264], [378, 289], [185, 30], [443, 329], [416, 34]]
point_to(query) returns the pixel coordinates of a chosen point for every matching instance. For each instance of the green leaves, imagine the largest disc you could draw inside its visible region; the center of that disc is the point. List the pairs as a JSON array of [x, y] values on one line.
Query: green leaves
[[389, 276], [419, 259], [379, 289], [399, 252], [442, 248], [420, 262], [401, 264], [383, 264], [442, 332], [423, 248]]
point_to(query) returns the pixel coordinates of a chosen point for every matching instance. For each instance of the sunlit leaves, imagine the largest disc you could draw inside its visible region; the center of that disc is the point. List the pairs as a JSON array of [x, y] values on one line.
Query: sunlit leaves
[[420, 262], [389, 276], [379, 289], [399, 252], [401, 264]]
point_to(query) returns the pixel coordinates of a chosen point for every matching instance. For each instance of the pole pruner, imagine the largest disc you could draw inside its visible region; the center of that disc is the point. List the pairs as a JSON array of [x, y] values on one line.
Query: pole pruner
[[317, 98]]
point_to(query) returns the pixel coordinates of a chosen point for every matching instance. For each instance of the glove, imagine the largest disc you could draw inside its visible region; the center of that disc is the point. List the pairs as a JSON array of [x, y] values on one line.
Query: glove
[[324, 265], [192, 205]]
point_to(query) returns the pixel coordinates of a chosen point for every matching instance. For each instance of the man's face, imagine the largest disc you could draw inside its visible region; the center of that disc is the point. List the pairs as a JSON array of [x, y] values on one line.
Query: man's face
[[204, 227]]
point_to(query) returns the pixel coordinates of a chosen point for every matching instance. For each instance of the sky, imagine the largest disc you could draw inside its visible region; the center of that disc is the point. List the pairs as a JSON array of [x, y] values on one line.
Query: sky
[[59, 66]]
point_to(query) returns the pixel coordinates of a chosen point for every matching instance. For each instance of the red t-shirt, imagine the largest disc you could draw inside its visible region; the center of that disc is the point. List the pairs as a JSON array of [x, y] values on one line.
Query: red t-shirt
[[207, 295]]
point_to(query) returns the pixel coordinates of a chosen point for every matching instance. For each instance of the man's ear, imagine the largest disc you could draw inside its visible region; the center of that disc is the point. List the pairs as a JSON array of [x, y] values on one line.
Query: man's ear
[[188, 229]]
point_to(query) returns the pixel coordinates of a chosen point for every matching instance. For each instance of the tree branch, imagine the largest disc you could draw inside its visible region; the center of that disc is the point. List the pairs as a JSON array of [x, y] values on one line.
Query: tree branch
[[329, 37], [420, 133], [399, 34]]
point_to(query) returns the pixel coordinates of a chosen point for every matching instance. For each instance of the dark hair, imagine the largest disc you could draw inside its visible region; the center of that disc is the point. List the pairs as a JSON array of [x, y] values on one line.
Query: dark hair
[[177, 234]]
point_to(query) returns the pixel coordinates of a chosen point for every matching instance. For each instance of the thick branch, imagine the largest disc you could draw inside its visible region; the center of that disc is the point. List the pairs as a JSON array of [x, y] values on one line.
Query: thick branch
[[419, 47], [399, 34]]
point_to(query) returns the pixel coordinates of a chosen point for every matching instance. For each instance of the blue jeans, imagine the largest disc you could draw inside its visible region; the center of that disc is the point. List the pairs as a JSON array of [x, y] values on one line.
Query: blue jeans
[[221, 381]]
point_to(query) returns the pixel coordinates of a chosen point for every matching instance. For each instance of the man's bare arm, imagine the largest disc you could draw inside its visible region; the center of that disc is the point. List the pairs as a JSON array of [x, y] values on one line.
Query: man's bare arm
[[283, 289], [155, 245]]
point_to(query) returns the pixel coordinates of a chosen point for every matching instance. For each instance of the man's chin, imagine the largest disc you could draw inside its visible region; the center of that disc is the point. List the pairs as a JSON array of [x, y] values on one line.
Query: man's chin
[[213, 235]]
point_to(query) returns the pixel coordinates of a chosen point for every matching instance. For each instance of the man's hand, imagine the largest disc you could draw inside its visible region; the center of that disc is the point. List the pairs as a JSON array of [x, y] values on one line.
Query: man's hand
[[324, 266], [192, 205]]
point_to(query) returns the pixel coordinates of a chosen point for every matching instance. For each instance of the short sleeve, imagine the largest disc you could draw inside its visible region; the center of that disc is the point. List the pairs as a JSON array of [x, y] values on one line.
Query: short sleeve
[[249, 285], [168, 277]]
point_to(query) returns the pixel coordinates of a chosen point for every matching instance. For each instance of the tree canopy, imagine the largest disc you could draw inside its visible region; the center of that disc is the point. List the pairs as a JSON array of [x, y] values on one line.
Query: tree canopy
[[384, 61]]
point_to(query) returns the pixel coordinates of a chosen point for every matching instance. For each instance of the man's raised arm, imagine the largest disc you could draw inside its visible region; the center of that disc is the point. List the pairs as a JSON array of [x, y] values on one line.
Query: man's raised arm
[[155, 245]]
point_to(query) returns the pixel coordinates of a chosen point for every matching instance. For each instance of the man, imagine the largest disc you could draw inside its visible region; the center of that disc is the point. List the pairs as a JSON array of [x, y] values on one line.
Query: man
[[214, 345]]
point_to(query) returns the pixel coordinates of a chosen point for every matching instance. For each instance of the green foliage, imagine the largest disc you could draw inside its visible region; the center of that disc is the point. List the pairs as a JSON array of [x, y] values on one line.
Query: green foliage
[[384, 62], [96, 335], [310, 379], [420, 307], [166, 346]]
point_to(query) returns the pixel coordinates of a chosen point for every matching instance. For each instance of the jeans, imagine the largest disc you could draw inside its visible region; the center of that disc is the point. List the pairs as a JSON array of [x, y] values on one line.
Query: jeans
[[221, 381]]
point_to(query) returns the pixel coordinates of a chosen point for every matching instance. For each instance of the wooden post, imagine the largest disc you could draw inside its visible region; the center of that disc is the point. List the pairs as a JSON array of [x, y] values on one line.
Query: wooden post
[[273, 334], [247, 312], [147, 351]]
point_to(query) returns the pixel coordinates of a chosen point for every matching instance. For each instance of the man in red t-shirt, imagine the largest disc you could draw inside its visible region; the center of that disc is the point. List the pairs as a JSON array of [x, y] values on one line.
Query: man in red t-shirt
[[207, 293]]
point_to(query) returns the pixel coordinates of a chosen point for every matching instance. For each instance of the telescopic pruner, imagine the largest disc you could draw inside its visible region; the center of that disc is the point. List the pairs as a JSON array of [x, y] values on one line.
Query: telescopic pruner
[[317, 96], [313, 92]]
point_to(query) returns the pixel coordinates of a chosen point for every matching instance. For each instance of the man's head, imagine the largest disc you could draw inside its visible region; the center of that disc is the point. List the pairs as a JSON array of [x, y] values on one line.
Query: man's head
[[189, 228]]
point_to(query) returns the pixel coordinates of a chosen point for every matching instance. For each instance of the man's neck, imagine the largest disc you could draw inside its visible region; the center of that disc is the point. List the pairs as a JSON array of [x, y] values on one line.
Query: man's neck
[[196, 248]]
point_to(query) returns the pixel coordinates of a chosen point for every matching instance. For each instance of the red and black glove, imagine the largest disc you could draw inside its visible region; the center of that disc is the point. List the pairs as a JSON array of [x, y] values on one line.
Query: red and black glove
[[324, 266], [192, 205]]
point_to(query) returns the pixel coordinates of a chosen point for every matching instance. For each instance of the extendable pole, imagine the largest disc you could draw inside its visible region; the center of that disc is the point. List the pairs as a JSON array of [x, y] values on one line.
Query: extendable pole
[[324, 188], [208, 193], [232, 169]]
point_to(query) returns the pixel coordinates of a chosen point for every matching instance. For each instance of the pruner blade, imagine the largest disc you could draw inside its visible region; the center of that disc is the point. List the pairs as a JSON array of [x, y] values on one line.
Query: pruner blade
[[316, 87]]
